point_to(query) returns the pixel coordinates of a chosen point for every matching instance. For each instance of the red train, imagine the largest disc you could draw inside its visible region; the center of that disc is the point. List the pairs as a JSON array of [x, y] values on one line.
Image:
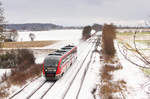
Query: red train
[[56, 63]]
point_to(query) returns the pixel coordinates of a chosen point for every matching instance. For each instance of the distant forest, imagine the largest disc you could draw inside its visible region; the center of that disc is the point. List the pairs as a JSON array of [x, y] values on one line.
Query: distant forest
[[50, 26], [37, 27]]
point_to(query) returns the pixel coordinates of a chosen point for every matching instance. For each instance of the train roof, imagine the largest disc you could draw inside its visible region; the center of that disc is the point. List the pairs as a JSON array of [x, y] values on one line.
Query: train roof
[[70, 46], [61, 52]]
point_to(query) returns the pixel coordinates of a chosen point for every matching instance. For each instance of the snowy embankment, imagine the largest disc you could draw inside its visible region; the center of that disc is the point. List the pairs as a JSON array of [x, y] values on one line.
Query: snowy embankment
[[50, 35], [136, 82]]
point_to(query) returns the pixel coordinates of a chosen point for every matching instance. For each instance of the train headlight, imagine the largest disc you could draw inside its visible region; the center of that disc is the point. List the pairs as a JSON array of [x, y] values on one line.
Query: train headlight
[[50, 70], [46, 70]]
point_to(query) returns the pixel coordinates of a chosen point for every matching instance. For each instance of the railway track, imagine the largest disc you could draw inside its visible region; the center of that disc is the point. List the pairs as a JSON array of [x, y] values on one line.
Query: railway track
[[85, 70], [90, 41], [36, 90], [47, 90], [12, 96], [77, 74], [41, 94]]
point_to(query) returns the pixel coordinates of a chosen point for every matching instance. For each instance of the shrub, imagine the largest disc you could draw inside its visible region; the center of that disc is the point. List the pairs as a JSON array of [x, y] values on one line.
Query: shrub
[[25, 67], [16, 58], [25, 58], [86, 32], [108, 35], [8, 60], [20, 77]]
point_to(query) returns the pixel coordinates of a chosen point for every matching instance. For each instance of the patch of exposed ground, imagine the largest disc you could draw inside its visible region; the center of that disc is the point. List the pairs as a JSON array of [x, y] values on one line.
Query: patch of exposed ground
[[27, 44]]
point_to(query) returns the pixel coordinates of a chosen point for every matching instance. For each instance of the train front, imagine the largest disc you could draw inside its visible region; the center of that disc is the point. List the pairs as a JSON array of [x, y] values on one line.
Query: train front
[[51, 68]]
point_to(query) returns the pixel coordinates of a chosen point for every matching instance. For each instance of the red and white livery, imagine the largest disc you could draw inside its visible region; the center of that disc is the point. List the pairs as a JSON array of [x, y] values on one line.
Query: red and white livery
[[58, 62]]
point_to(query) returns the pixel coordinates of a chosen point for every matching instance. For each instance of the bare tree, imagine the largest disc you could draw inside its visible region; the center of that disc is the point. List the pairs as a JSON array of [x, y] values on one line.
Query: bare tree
[[32, 36], [86, 33], [138, 54], [97, 27], [1, 23], [108, 35]]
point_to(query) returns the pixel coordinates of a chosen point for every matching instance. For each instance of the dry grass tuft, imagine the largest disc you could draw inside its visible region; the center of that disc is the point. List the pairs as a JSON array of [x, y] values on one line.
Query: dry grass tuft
[[106, 72], [108, 68], [105, 76], [108, 85], [4, 91], [20, 77], [112, 87]]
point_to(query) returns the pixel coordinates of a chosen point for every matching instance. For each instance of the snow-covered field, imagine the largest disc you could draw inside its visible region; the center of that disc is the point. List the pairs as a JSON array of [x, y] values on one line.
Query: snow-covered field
[[137, 82], [51, 35], [84, 75]]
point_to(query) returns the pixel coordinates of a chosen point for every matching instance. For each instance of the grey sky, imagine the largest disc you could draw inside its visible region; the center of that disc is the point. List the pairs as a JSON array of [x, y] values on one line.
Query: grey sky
[[76, 12]]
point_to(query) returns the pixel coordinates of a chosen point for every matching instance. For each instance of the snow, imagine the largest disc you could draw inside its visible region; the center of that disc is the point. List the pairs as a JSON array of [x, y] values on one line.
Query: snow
[[51, 35], [134, 77], [3, 71], [91, 78], [83, 49], [137, 82], [30, 89], [64, 82]]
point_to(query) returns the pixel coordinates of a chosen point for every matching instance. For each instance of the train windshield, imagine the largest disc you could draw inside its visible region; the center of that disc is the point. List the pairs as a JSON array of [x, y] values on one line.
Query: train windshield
[[51, 62]]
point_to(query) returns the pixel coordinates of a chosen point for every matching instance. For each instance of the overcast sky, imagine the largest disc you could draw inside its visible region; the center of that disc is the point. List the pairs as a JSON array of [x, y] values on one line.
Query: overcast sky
[[76, 12]]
